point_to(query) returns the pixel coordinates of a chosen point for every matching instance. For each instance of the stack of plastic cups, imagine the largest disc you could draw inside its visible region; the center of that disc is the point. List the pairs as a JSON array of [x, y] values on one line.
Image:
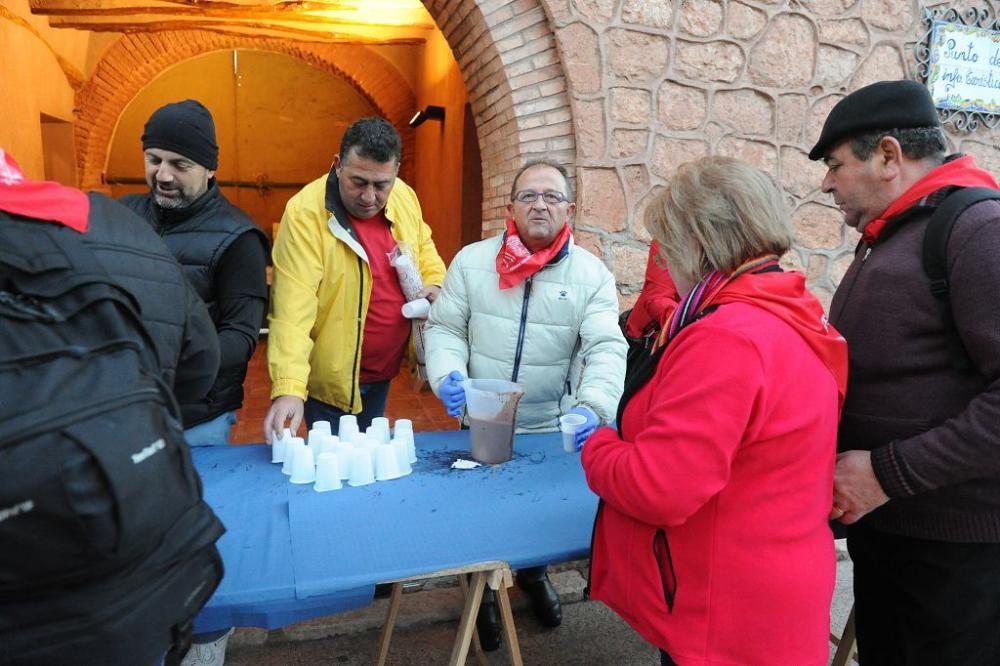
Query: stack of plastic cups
[[278, 445], [328, 475], [348, 427], [290, 446], [404, 431], [362, 467], [322, 426], [304, 465]]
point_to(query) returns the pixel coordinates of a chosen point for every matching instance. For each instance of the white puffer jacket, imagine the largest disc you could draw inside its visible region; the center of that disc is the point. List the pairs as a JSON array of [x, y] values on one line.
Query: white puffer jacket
[[560, 330]]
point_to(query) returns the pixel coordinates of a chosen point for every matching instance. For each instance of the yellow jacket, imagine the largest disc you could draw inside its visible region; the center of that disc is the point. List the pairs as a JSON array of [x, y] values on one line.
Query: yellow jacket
[[321, 288]]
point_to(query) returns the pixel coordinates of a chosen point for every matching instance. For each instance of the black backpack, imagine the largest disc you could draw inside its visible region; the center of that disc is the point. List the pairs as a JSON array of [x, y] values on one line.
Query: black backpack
[[107, 549], [935, 246]]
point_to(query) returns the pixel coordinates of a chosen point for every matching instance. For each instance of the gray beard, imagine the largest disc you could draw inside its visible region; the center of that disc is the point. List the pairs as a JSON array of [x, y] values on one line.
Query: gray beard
[[167, 202]]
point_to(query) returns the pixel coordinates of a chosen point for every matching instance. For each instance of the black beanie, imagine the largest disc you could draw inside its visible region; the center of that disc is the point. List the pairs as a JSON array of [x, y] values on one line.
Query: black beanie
[[185, 128], [880, 106]]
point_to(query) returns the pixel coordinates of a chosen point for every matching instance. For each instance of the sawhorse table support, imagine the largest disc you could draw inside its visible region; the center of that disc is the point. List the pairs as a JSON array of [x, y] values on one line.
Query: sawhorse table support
[[497, 576]]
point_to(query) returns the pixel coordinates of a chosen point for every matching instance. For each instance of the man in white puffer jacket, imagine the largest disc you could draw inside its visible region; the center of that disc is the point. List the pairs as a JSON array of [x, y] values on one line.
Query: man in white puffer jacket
[[530, 306]]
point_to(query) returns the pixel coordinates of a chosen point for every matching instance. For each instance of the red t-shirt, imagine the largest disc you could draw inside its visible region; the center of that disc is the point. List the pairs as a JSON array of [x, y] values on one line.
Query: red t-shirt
[[386, 330]]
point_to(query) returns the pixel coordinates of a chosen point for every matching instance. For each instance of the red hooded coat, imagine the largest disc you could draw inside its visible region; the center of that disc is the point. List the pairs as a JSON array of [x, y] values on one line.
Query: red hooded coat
[[712, 538]]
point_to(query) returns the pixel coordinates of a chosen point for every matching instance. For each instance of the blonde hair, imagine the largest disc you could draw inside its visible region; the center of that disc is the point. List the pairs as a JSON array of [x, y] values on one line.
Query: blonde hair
[[717, 213]]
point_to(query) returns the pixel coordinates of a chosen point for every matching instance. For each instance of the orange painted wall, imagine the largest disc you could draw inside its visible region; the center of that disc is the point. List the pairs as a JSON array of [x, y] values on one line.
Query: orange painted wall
[[438, 153], [278, 120], [32, 82]]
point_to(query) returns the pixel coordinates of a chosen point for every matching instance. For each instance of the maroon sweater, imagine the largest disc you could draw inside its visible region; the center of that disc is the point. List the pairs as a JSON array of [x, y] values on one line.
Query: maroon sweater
[[933, 429]]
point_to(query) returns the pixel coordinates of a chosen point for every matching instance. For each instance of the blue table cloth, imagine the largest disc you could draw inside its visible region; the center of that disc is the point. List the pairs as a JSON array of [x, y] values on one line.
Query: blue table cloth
[[292, 554]]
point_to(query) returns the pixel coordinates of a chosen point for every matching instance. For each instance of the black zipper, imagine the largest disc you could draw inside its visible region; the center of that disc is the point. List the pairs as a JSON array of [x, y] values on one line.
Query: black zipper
[[520, 332], [593, 536], [665, 565], [357, 345]]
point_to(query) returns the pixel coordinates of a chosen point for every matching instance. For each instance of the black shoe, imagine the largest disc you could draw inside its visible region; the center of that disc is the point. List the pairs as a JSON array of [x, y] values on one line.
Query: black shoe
[[488, 622], [544, 600]]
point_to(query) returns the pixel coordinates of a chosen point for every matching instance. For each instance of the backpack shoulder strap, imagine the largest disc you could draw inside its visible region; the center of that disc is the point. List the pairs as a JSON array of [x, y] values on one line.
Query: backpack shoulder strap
[[935, 250], [935, 258]]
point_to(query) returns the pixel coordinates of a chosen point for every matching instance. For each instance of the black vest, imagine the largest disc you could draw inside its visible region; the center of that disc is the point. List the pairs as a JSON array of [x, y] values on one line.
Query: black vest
[[198, 236]]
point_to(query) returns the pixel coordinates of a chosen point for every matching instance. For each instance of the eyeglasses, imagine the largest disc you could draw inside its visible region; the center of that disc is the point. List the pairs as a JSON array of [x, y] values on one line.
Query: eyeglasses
[[530, 197]]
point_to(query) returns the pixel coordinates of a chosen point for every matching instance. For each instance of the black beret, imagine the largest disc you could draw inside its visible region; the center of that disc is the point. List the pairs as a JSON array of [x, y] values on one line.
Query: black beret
[[880, 106], [185, 128]]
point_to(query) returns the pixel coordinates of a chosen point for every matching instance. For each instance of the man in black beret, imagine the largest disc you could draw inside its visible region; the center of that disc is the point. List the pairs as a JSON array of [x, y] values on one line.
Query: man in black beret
[[918, 470], [224, 256]]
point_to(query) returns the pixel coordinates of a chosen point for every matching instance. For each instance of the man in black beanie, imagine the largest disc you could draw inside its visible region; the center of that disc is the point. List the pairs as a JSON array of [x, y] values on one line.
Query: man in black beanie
[[917, 478], [224, 255]]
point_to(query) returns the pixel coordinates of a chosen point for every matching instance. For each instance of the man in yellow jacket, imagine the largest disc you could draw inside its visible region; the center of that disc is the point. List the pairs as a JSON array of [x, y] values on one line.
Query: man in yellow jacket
[[337, 334]]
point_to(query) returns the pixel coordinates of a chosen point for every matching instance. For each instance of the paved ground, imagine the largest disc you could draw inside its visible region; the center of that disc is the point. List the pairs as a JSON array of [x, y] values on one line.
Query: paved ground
[[591, 635]]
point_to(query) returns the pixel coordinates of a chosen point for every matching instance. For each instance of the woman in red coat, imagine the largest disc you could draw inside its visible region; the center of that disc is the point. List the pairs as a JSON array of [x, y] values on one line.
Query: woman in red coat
[[711, 537]]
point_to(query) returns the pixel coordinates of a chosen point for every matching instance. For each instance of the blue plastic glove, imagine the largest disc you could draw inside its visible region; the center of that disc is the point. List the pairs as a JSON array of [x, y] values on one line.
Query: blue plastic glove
[[588, 428], [452, 393]]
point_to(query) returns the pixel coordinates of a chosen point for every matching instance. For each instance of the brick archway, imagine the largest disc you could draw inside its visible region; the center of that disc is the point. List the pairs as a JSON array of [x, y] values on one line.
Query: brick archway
[[516, 83], [507, 53], [136, 59]]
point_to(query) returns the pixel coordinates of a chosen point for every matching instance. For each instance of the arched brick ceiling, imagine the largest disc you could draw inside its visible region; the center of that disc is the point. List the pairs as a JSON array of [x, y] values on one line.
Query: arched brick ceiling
[[136, 59]]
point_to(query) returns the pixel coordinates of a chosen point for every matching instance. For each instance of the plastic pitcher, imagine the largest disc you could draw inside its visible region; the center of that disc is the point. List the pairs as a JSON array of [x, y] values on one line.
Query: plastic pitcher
[[491, 405]]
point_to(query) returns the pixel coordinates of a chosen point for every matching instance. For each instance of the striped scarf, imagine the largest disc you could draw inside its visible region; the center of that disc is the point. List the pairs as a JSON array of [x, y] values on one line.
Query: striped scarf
[[702, 295]]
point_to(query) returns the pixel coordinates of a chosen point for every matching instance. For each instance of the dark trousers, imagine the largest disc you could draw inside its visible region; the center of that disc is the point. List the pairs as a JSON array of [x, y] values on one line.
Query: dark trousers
[[925, 603], [373, 399]]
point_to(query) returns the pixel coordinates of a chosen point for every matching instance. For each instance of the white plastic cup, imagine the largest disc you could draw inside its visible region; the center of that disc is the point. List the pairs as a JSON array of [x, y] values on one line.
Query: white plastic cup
[[278, 445], [381, 422], [378, 431], [404, 430], [316, 436], [344, 451], [386, 467], [402, 451], [407, 436], [328, 473], [322, 426], [329, 444], [362, 467], [418, 309], [348, 427], [304, 465], [290, 446], [569, 424]]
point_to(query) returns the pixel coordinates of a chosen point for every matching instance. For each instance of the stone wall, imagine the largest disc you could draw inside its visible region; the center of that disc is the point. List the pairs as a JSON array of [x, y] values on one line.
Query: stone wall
[[653, 83]]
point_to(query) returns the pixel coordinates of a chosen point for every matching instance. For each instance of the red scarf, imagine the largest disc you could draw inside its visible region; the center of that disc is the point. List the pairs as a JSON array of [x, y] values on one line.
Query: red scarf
[[39, 199], [783, 295], [516, 263], [961, 172]]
